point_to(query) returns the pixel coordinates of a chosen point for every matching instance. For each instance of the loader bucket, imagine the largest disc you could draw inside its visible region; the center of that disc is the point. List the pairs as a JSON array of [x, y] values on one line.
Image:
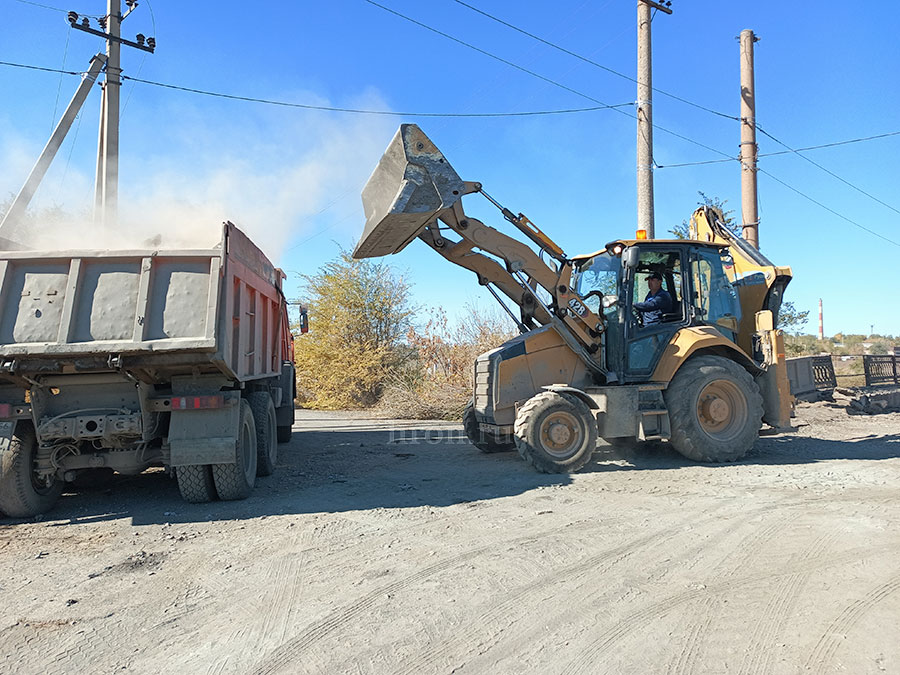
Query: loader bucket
[[410, 186]]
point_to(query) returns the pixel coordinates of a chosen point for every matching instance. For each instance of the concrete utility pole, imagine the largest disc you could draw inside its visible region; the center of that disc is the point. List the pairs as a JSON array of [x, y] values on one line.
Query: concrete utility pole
[[821, 322], [20, 203], [106, 195], [646, 220], [749, 149]]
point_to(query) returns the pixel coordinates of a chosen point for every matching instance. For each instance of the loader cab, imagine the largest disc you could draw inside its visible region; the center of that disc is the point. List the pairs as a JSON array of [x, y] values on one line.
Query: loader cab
[[694, 276]]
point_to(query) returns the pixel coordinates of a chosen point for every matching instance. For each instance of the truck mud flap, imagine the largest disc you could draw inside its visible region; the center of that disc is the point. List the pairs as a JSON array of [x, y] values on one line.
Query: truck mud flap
[[412, 183]]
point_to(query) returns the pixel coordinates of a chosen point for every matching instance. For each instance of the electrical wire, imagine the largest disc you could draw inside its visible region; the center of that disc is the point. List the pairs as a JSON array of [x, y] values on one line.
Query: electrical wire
[[828, 171], [392, 113], [537, 75], [359, 111], [830, 210], [54, 9], [592, 62]]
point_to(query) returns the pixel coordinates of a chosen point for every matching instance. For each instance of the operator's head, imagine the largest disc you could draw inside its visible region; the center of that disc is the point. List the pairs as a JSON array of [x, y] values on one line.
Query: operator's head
[[654, 281]]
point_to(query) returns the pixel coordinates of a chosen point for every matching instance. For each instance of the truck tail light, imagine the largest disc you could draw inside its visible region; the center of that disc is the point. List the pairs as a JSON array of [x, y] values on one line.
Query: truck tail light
[[198, 402], [5, 410]]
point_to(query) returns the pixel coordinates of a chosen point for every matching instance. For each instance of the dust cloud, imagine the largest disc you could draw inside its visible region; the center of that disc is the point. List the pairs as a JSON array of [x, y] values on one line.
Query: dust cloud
[[270, 182]]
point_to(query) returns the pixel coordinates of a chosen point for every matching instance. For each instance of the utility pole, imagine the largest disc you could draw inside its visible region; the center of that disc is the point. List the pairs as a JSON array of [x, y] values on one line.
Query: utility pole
[[20, 203], [749, 149], [645, 213], [106, 194]]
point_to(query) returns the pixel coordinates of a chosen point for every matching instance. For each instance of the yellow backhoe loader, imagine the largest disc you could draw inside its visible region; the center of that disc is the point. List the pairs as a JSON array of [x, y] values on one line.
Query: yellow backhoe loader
[[703, 377]]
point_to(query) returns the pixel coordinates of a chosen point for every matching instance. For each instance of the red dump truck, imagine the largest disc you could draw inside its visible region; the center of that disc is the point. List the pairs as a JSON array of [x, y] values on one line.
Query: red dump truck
[[130, 359]]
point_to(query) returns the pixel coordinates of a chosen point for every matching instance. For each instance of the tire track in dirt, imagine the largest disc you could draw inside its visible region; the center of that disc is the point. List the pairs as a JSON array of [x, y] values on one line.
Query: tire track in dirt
[[832, 638], [439, 649], [587, 660], [758, 652], [283, 656], [708, 608]]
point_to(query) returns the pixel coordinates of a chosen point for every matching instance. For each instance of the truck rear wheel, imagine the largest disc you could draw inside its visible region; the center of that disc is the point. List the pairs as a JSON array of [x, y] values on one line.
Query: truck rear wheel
[[235, 481], [555, 432], [195, 483], [715, 410], [478, 438], [22, 493], [266, 432]]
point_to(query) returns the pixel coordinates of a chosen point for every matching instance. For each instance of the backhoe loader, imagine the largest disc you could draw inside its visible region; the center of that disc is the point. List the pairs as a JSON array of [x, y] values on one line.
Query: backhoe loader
[[704, 378]]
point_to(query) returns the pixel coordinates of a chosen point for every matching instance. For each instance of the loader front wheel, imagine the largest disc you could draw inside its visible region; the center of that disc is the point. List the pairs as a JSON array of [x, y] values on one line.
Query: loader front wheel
[[715, 410], [23, 493], [555, 432], [235, 481], [481, 440]]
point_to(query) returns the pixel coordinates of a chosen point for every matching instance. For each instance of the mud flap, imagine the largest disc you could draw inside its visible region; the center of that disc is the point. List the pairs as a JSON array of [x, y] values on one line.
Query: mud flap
[[7, 429], [205, 436]]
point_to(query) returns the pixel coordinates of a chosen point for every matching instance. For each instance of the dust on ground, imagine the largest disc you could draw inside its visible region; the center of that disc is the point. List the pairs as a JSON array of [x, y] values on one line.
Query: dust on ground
[[396, 547]]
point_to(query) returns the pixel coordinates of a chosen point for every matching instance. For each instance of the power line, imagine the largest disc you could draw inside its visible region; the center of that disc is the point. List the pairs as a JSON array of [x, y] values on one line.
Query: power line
[[830, 210], [829, 172], [50, 7], [592, 62], [787, 152], [306, 106], [534, 74], [393, 113]]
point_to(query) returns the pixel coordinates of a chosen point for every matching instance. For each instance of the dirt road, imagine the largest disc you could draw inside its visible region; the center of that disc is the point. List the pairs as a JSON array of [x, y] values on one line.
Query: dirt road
[[383, 547]]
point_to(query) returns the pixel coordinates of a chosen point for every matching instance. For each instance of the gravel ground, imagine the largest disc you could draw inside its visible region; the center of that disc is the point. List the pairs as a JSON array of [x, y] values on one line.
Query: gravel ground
[[396, 547]]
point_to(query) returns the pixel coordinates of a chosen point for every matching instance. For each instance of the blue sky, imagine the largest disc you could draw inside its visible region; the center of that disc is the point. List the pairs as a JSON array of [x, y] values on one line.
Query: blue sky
[[292, 177]]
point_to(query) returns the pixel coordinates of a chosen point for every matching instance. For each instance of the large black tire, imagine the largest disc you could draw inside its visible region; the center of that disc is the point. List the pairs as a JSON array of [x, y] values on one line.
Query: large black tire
[[555, 432], [236, 481], [715, 410], [22, 495], [263, 409], [195, 483], [482, 441]]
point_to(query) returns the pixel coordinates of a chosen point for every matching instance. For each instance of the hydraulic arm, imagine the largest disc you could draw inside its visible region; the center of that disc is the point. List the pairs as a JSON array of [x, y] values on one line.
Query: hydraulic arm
[[414, 192]]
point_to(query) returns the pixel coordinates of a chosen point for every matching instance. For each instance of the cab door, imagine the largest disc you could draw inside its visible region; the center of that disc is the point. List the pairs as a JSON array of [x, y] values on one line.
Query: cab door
[[644, 344]]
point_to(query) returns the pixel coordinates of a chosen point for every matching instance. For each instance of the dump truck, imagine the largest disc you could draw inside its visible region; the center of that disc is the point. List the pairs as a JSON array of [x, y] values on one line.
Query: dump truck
[[704, 378], [131, 359]]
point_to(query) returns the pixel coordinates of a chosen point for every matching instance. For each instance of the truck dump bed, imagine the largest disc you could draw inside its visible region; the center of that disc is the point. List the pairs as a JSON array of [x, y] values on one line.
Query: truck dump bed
[[218, 309]]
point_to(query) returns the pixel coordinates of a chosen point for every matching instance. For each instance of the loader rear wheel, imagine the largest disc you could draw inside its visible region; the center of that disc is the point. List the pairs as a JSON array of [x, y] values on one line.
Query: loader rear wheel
[[266, 432], [23, 493], [555, 432], [195, 483], [481, 440], [235, 481], [715, 410]]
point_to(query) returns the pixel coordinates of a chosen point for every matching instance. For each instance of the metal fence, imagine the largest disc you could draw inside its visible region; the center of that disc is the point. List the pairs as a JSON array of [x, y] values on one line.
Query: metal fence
[[823, 372], [882, 369]]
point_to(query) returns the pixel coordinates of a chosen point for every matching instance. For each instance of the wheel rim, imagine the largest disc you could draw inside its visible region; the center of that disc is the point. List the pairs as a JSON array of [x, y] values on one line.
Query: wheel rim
[[722, 410], [561, 434]]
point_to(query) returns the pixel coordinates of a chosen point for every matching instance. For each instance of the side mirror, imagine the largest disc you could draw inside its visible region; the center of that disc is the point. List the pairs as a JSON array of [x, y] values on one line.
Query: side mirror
[[304, 321], [631, 257]]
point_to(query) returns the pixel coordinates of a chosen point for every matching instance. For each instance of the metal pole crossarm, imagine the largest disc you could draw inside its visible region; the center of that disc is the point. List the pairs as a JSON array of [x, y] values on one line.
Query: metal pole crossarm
[[657, 5], [93, 31]]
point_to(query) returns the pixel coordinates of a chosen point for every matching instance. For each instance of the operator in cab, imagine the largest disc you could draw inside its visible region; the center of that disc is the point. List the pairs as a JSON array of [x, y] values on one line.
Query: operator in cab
[[657, 302]]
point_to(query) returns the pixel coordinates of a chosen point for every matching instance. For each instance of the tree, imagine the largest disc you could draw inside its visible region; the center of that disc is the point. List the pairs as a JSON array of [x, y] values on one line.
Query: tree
[[790, 319], [359, 313]]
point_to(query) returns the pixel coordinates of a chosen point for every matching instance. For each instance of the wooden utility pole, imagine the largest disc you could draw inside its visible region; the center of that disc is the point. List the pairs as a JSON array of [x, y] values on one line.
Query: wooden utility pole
[[646, 220], [749, 149]]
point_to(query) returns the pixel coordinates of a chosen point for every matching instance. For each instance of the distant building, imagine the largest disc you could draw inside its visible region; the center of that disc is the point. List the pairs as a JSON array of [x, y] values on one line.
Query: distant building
[[895, 351]]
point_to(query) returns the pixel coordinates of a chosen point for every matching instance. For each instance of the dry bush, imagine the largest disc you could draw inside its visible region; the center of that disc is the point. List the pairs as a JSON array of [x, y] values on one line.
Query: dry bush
[[358, 316], [438, 382]]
